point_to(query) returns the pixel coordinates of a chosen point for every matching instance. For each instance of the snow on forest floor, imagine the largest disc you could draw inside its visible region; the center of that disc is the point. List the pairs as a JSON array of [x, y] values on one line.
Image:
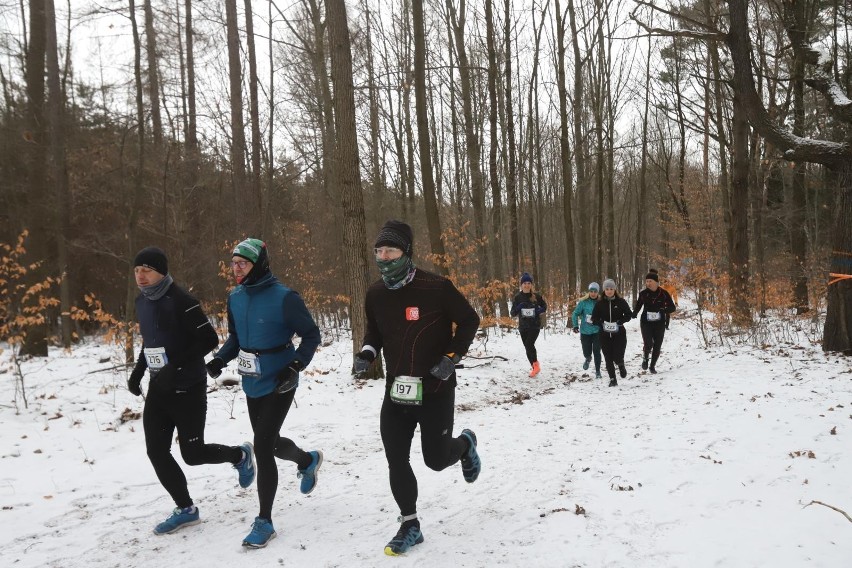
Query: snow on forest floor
[[709, 463]]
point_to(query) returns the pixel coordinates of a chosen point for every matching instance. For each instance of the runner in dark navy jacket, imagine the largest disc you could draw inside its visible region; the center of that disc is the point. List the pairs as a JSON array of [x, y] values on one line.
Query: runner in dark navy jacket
[[176, 335]]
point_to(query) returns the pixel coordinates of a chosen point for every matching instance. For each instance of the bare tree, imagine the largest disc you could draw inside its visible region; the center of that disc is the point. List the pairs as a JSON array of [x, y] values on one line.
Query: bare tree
[[836, 156], [153, 74], [238, 135], [347, 168], [426, 174]]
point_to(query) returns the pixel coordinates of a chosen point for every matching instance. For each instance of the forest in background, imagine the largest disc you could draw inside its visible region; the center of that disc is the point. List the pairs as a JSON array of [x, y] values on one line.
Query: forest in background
[[707, 139]]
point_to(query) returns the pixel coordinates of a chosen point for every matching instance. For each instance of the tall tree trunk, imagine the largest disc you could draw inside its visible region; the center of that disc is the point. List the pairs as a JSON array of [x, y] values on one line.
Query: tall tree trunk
[[192, 128], [347, 169], [58, 171], [153, 75], [38, 204], [584, 189], [565, 153], [474, 153], [245, 222], [493, 173], [373, 95], [254, 117], [641, 206], [433, 222], [796, 210], [511, 178], [138, 184], [738, 253]]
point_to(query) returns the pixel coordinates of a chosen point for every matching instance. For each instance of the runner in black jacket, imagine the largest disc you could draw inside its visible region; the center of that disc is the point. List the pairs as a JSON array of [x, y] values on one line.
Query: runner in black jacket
[[528, 306], [410, 316], [657, 304], [176, 335], [611, 313]]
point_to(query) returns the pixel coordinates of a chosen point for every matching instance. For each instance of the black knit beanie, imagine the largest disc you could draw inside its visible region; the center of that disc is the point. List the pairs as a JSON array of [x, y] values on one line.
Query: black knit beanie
[[153, 258], [652, 276], [396, 234]]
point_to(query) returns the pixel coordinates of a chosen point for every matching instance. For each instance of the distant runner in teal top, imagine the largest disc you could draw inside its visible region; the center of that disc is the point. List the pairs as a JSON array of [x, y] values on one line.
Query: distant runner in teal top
[[581, 321]]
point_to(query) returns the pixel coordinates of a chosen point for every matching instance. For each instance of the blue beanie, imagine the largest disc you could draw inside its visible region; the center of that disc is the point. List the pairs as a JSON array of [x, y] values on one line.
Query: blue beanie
[[525, 277], [594, 286]]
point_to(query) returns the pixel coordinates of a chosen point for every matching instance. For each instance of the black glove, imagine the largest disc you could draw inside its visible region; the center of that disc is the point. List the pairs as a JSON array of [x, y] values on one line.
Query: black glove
[[134, 382], [164, 378], [362, 363], [445, 367], [215, 366], [576, 330], [288, 377]]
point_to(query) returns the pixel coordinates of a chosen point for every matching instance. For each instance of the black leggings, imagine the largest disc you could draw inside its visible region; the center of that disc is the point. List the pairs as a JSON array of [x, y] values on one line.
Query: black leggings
[[652, 337], [528, 336], [440, 449], [267, 414], [186, 411], [613, 347]]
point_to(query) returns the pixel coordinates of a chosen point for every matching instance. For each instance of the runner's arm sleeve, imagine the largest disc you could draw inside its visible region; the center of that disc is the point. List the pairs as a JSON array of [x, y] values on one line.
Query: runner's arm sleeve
[[231, 346], [372, 337], [196, 325], [465, 317], [299, 319]]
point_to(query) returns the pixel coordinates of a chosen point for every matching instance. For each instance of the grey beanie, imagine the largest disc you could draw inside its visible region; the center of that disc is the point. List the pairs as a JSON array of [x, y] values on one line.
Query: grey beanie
[[609, 283], [595, 286]]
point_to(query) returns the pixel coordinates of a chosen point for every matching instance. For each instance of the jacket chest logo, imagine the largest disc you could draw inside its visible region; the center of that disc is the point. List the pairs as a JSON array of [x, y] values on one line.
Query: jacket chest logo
[[412, 313]]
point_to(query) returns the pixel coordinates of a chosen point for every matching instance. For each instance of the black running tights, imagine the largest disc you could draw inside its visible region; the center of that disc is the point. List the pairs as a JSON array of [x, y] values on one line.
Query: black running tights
[[267, 414], [652, 337], [186, 411], [613, 346], [528, 336], [440, 449]]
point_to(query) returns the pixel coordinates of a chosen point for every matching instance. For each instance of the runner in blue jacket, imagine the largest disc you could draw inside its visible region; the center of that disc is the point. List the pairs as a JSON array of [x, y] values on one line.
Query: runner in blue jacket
[[263, 316], [581, 321]]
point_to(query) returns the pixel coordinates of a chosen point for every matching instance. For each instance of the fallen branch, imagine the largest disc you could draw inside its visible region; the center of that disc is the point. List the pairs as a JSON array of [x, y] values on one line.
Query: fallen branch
[[841, 511]]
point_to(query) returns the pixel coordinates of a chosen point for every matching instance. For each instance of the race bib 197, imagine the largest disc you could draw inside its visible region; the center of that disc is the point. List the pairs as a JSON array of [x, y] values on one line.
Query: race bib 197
[[156, 357], [407, 390], [248, 363]]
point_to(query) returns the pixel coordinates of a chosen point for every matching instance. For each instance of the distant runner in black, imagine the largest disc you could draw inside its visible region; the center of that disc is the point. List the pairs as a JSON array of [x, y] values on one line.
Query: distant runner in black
[[528, 307], [656, 305], [611, 313]]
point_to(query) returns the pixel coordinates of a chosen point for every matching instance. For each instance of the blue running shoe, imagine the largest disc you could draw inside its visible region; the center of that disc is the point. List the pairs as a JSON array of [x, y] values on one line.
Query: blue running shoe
[[178, 519], [309, 475], [246, 467], [261, 533], [471, 466], [586, 363], [404, 540]]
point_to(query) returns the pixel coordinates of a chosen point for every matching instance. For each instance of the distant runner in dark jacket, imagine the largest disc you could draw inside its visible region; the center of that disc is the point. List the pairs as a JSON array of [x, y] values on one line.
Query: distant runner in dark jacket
[[611, 313], [528, 307], [656, 305]]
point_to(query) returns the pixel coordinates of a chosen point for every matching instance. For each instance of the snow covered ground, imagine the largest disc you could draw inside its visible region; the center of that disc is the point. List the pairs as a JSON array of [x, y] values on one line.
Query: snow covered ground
[[709, 463]]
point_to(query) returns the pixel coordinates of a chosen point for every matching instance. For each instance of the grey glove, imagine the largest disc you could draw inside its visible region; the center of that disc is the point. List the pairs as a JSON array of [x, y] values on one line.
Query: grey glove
[[445, 367], [362, 363]]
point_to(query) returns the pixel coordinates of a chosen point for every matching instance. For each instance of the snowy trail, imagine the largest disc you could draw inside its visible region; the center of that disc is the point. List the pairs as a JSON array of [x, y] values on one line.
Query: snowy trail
[[704, 464]]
